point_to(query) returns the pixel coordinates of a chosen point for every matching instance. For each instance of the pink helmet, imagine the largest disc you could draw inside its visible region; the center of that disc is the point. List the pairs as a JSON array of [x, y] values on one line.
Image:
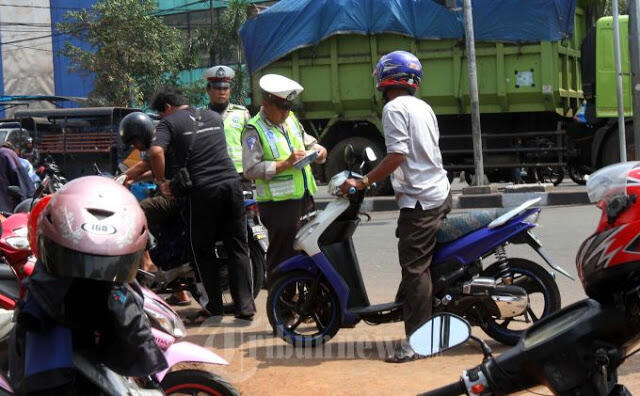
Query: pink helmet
[[92, 228]]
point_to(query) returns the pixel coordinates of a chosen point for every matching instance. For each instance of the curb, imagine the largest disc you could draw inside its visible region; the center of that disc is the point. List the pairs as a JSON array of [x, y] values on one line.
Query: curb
[[478, 201]]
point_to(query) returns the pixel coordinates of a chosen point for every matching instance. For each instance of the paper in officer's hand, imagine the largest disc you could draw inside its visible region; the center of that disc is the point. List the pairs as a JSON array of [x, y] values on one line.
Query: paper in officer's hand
[[309, 158]]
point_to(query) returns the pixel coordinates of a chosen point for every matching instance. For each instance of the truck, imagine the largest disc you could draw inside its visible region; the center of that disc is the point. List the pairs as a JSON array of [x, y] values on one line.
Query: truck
[[78, 139], [538, 65]]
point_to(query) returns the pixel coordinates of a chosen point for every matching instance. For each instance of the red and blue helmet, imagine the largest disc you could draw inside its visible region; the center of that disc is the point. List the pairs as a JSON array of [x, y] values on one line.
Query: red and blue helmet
[[398, 69]]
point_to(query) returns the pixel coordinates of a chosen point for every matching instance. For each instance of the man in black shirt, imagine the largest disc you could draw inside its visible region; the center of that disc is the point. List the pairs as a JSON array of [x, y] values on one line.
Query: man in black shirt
[[216, 204]]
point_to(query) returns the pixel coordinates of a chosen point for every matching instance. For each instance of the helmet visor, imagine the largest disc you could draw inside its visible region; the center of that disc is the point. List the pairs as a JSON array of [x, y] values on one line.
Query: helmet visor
[[610, 181], [69, 263]]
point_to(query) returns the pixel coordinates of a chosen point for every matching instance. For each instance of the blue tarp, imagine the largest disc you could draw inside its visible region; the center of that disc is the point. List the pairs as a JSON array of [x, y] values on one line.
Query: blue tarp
[[292, 24]]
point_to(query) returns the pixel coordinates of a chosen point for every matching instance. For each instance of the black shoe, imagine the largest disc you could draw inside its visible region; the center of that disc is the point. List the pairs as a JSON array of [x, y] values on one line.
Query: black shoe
[[403, 353], [248, 317]]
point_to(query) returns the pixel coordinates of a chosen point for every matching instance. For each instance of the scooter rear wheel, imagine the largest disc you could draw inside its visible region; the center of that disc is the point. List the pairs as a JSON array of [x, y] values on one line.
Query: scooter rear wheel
[[303, 309], [538, 283]]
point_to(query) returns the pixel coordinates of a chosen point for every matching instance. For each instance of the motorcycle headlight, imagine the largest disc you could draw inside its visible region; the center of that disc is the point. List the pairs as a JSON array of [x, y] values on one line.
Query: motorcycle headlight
[[18, 242], [169, 322]]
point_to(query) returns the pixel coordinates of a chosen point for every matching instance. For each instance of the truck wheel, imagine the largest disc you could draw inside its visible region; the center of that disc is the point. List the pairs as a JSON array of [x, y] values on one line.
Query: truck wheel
[[610, 151], [335, 160]]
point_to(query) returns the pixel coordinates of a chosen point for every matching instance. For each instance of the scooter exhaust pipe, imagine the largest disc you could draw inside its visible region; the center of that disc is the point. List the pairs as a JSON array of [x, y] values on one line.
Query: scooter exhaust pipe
[[506, 301]]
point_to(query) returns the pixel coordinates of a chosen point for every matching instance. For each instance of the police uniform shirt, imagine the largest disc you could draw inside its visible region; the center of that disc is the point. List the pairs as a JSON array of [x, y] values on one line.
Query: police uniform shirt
[[231, 107], [252, 163]]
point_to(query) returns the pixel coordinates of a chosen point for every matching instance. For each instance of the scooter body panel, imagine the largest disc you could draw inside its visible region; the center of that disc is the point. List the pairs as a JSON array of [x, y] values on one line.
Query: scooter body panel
[[187, 352]]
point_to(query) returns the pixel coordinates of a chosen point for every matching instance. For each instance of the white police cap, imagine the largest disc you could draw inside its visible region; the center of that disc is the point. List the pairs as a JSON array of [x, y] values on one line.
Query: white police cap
[[219, 76], [280, 87]]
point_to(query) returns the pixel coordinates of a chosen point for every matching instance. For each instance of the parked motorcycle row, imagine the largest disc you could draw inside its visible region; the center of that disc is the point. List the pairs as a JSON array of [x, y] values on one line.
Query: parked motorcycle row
[[574, 350]]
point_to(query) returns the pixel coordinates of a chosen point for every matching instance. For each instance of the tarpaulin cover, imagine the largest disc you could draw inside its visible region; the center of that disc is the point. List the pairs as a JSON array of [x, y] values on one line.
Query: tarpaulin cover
[[292, 24]]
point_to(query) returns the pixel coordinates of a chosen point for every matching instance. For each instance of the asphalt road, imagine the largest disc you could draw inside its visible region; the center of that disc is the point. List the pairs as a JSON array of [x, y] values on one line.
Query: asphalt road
[[561, 230], [351, 363]]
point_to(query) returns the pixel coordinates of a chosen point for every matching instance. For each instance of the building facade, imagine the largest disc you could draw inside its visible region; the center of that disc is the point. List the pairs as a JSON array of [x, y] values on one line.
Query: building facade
[[30, 46]]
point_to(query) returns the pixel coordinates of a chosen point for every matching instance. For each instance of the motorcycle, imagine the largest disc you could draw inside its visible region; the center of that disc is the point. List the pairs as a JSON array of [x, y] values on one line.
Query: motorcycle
[[172, 253], [577, 350], [167, 326], [323, 286]]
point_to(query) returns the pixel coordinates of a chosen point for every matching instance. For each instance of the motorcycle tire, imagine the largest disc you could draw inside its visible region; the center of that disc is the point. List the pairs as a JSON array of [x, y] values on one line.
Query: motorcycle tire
[[576, 174], [258, 263], [199, 382], [548, 288], [285, 316], [550, 174]]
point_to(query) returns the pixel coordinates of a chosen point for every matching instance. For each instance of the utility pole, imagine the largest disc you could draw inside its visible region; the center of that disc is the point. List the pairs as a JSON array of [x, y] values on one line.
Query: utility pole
[[473, 93], [634, 52], [617, 56]]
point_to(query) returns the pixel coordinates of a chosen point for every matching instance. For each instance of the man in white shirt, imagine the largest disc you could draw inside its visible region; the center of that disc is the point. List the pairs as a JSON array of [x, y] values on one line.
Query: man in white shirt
[[420, 183]]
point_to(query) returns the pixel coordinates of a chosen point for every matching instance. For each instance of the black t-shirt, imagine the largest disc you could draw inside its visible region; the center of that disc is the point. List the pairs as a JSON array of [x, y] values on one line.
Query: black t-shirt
[[209, 163]]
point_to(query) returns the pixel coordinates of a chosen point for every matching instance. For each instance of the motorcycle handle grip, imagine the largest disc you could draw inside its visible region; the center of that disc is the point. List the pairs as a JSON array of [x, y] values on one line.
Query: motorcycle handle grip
[[453, 389]]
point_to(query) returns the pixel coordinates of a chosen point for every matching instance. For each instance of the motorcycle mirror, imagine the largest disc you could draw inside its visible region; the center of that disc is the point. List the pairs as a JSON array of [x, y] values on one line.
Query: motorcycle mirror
[[369, 154], [349, 156], [443, 331]]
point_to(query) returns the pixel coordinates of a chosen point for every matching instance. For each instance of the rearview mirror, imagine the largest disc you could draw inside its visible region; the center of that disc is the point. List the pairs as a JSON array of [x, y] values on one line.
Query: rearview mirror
[[441, 332], [349, 156], [369, 155]]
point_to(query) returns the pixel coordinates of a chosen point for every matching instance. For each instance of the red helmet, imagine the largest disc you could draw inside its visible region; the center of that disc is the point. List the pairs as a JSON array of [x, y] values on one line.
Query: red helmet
[[92, 228], [609, 260], [32, 222]]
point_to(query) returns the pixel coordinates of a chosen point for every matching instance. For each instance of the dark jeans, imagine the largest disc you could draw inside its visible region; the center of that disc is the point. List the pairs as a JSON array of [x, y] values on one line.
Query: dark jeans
[[417, 229], [282, 220], [218, 213]]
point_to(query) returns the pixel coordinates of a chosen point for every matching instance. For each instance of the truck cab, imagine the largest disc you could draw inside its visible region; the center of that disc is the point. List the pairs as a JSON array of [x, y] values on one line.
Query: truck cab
[[12, 132]]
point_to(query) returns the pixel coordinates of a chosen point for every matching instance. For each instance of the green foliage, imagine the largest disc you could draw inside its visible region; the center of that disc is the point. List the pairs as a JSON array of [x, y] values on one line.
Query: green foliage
[[131, 51], [196, 92], [224, 43], [599, 8]]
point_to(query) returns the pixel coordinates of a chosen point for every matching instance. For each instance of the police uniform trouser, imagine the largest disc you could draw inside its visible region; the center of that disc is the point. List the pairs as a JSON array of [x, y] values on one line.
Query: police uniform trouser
[[417, 229], [218, 213], [282, 220]]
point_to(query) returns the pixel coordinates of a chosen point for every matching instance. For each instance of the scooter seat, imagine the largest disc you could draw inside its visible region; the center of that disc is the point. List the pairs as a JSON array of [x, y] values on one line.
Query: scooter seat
[[460, 224]]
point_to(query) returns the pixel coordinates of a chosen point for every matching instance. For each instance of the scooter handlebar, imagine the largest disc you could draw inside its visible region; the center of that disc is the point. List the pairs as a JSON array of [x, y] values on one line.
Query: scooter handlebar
[[454, 389]]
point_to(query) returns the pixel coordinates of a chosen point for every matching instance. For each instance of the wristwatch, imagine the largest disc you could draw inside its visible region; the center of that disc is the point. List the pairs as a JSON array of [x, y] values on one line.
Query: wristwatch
[[365, 181]]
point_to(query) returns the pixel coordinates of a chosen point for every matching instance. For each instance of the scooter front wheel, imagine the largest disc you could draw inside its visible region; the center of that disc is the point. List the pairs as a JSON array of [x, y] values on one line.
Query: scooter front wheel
[[303, 309], [196, 382]]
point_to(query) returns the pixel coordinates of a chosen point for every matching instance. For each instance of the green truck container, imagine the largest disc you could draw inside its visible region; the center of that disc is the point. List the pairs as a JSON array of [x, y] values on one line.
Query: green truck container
[[529, 96]]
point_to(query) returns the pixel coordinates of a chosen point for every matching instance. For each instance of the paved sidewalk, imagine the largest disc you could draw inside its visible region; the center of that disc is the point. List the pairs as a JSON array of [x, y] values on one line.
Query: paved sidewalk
[[567, 193]]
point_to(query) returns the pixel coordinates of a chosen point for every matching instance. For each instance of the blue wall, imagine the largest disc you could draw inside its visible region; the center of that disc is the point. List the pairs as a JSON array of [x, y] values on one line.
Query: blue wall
[[68, 83], [1, 78]]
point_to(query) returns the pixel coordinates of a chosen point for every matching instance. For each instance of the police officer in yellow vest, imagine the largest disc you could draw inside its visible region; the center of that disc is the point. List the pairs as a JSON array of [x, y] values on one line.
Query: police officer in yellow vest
[[272, 142], [234, 116]]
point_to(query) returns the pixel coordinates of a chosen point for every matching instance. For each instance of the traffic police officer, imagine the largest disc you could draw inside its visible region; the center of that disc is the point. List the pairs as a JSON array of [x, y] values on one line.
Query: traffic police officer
[[234, 116], [272, 142]]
